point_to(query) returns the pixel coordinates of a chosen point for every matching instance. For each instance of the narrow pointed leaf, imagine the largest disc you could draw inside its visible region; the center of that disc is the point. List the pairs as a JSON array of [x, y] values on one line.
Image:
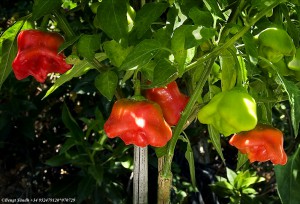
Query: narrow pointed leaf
[[44, 7], [215, 139], [71, 124]]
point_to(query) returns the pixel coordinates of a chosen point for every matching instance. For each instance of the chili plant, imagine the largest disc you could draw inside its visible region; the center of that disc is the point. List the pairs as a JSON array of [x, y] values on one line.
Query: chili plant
[[164, 69]]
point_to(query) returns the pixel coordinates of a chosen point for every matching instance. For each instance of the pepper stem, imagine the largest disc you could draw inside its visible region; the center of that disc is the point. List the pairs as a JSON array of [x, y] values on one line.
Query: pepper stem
[[137, 84]]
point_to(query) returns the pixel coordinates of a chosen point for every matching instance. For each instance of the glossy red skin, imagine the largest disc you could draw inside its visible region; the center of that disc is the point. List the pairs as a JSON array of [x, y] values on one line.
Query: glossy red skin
[[38, 55], [171, 101], [138, 122], [261, 144]]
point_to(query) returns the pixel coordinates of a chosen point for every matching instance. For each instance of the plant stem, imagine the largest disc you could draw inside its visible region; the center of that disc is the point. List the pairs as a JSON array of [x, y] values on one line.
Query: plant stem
[[165, 175], [185, 115]]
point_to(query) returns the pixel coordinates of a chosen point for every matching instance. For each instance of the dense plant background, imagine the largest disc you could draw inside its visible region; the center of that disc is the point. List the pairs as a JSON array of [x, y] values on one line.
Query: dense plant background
[[56, 147]]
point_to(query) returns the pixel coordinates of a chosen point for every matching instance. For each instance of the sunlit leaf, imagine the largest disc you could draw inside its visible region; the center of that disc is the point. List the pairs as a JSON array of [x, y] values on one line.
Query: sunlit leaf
[[229, 71], [141, 54], [147, 15], [77, 70], [8, 49]]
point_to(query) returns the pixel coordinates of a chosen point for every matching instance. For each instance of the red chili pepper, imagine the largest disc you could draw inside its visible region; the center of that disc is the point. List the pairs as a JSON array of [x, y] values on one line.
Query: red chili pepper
[[263, 143], [138, 122], [38, 55], [170, 99]]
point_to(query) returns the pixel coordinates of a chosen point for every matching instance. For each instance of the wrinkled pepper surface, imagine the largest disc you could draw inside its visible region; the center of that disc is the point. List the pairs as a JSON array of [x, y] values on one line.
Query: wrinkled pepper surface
[[230, 112], [294, 64], [138, 122], [274, 44], [263, 143], [170, 99], [38, 55]]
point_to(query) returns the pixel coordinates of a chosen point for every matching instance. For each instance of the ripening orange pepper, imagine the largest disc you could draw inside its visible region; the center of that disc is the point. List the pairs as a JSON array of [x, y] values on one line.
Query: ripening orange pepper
[[263, 143], [138, 122], [170, 99], [38, 55]]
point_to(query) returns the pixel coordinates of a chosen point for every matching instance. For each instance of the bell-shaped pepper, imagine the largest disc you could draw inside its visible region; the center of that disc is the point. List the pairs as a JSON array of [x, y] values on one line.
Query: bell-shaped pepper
[[263, 143], [294, 64], [138, 122], [230, 112], [170, 99], [38, 55], [275, 43]]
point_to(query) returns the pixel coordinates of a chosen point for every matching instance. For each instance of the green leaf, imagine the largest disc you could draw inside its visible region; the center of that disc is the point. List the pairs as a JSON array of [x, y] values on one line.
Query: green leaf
[[8, 50], [57, 160], [149, 13], [215, 139], [250, 47], [249, 191], [260, 5], [8, 55], [87, 45], [214, 8], [68, 43], [69, 143], [242, 159], [148, 70], [190, 158], [292, 29], [201, 18], [78, 69], [288, 179], [97, 172], [176, 16], [222, 188], [293, 92], [164, 72], [99, 118], [141, 54], [85, 188], [107, 83], [43, 7], [229, 72], [71, 124], [112, 18], [251, 180], [115, 52], [178, 47], [185, 37], [231, 175]]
